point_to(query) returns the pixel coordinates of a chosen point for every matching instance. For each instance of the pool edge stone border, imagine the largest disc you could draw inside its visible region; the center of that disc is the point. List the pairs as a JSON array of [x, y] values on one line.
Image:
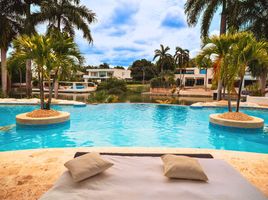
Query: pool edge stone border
[[24, 120], [254, 124]]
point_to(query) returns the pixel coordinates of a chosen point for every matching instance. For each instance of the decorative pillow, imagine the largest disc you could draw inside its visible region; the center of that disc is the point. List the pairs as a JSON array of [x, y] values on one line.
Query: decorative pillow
[[86, 166], [183, 167]]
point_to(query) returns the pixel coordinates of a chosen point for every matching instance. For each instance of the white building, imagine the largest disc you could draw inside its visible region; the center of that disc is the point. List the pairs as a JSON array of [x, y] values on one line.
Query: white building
[[102, 74], [194, 77]]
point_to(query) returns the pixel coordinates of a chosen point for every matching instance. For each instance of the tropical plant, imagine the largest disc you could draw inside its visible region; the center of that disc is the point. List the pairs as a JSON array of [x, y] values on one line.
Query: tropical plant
[[216, 48], [102, 97], [194, 8], [143, 70], [67, 15], [253, 16], [30, 18], [48, 53], [165, 80], [165, 59], [243, 52], [113, 86], [204, 62], [182, 60], [9, 28]]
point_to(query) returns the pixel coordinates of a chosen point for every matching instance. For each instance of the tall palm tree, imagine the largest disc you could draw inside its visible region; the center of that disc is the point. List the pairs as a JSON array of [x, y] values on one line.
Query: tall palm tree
[[48, 53], [243, 52], [30, 20], [65, 15], [9, 28], [181, 59], [163, 57], [253, 16], [194, 8]]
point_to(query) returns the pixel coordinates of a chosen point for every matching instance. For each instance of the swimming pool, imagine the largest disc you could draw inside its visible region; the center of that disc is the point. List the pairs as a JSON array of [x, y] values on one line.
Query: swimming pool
[[132, 125]]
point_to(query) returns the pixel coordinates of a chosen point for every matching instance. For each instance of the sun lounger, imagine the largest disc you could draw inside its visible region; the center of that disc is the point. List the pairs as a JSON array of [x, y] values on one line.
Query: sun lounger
[[141, 178]]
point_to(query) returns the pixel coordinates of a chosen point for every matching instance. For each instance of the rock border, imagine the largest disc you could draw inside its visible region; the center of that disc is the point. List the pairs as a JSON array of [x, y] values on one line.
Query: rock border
[[255, 123], [24, 120]]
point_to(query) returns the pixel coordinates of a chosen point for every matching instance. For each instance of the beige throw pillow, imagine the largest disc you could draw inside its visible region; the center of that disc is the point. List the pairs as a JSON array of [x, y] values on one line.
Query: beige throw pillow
[[86, 166], [183, 167]]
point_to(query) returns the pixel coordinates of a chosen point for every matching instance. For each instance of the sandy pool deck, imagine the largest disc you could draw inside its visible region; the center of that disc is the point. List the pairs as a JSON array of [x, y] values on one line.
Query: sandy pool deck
[[27, 174]]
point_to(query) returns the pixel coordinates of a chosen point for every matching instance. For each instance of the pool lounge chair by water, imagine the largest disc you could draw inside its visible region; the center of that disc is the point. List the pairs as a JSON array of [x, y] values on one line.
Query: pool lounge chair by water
[[141, 177]]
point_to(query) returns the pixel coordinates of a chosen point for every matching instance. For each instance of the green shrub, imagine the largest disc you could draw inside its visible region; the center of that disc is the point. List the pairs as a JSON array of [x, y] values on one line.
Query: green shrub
[[253, 90], [102, 97], [113, 86], [161, 82]]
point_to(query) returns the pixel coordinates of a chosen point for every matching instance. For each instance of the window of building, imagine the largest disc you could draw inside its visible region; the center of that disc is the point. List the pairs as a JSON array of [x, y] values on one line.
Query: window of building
[[209, 81], [94, 73], [184, 71], [189, 82], [189, 71], [199, 81], [110, 74], [102, 74], [202, 71]]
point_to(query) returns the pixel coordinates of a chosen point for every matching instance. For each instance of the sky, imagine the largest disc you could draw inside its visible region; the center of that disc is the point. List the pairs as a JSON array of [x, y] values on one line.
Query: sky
[[127, 30]]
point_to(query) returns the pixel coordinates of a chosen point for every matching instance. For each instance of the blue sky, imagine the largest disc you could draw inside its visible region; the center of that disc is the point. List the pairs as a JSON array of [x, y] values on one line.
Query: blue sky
[[127, 30]]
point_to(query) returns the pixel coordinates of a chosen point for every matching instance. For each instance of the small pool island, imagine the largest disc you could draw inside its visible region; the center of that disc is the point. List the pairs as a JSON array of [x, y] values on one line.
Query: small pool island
[[237, 120], [42, 117]]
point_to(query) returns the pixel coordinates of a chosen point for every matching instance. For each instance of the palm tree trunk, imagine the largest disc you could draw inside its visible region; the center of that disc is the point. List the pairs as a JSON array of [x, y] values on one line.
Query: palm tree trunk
[[229, 101], [222, 31], [223, 18], [206, 77], [219, 90], [41, 90], [56, 88], [20, 75], [263, 79], [28, 78], [4, 70], [51, 87], [239, 94]]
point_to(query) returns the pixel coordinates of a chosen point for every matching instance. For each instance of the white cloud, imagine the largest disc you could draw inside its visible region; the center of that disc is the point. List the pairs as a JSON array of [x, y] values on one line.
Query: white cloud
[[133, 29]]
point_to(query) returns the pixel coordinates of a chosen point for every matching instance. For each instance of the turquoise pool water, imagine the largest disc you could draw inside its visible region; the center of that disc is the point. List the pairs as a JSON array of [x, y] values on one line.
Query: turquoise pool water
[[132, 125]]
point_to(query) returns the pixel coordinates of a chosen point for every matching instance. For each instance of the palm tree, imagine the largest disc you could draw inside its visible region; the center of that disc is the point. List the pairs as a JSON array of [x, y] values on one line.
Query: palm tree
[[65, 16], [9, 28], [163, 56], [181, 59], [67, 57], [68, 14], [253, 16], [204, 62], [194, 8], [48, 54], [217, 47], [30, 20], [243, 52]]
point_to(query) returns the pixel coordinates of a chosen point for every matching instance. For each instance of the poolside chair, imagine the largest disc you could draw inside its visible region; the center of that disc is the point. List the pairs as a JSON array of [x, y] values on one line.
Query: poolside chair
[[140, 176]]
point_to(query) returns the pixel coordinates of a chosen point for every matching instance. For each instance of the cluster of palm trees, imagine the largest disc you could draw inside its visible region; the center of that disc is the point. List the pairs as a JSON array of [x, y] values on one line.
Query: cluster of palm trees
[[231, 55], [244, 15], [168, 62], [21, 17]]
